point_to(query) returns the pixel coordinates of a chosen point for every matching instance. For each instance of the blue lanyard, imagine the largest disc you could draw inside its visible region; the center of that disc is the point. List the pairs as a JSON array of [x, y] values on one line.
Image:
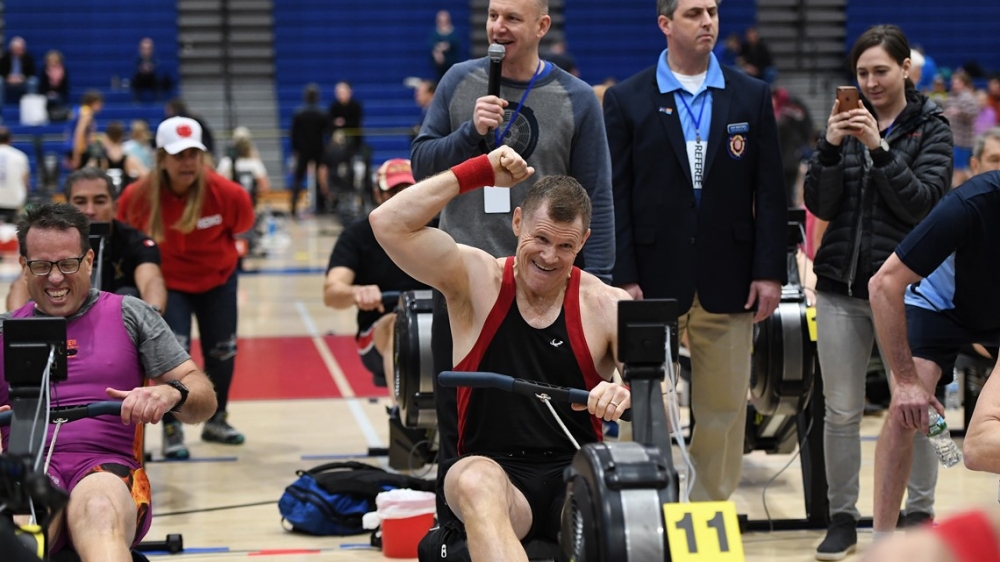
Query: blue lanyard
[[701, 113], [500, 136]]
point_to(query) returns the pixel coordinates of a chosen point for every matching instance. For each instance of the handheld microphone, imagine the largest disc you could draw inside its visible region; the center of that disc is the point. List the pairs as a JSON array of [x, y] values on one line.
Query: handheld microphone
[[496, 52]]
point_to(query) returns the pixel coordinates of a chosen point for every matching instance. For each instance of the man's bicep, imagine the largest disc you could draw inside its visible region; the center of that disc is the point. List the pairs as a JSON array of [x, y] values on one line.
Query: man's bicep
[[897, 273], [432, 257]]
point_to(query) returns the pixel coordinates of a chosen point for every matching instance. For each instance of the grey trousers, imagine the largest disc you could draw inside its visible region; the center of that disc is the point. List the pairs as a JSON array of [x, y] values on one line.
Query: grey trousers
[[845, 333]]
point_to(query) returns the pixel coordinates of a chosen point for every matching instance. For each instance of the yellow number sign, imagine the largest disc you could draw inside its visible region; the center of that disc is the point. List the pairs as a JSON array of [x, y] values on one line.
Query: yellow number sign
[[703, 532], [811, 320]]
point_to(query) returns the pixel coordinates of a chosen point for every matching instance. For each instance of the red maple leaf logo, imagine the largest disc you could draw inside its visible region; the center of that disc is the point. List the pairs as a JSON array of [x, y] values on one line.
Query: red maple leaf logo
[[184, 130]]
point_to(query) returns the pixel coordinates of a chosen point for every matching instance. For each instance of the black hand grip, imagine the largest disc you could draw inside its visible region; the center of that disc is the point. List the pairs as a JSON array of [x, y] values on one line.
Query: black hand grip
[[73, 413], [390, 297], [517, 386], [476, 380]]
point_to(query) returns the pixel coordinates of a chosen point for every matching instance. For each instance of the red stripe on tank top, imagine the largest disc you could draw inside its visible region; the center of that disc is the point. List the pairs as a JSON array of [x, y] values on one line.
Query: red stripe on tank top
[[578, 341], [475, 356]]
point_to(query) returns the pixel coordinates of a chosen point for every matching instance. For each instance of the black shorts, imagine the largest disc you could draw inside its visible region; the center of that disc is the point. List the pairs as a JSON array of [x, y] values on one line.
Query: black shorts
[[937, 337], [540, 479]]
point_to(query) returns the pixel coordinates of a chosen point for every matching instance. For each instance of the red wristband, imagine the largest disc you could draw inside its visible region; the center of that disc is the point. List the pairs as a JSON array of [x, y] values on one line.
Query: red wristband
[[970, 537], [474, 173]]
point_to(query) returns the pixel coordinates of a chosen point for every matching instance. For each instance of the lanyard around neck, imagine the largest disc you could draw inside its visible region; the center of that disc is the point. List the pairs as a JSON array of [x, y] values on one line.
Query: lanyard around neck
[[497, 136], [701, 113]]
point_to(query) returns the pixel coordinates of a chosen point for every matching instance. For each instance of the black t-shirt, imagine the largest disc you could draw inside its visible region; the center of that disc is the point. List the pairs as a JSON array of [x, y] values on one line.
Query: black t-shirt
[[357, 250], [130, 248], [965, 222]]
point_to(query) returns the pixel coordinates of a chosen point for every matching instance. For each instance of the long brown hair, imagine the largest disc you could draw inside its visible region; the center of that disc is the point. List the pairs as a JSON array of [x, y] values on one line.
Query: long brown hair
[[148, 193]]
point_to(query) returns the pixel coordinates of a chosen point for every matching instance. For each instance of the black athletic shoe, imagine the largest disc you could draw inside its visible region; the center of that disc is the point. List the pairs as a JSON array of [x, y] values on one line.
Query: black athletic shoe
[[913, 520], [841, 538]]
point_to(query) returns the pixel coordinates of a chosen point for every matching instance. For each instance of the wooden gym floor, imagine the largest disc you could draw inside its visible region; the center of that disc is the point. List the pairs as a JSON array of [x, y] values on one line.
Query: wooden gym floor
[[302, 398]]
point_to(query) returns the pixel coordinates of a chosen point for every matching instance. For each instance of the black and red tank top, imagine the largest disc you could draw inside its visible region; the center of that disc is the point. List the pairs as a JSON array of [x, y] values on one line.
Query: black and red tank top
[[495, 421]]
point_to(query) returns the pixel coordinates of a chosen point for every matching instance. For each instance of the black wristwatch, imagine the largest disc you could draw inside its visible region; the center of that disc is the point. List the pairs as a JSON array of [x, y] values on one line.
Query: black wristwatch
[[184, 394]]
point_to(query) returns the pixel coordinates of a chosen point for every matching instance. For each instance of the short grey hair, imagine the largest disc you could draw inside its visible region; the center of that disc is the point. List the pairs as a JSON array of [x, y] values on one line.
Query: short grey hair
[[668, 7], [991, 133]]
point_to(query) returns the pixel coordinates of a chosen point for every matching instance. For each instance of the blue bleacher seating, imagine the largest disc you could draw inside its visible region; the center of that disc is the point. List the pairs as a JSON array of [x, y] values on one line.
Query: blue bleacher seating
[[99, 41], [953, 34]]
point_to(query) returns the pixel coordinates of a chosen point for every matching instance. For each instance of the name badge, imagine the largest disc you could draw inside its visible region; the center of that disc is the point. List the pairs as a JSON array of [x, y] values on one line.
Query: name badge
[[496, 199], [738, 128], [696, 157]]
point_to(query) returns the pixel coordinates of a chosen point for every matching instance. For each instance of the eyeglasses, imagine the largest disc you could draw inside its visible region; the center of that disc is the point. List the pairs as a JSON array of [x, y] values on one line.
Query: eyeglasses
[[67, 266]]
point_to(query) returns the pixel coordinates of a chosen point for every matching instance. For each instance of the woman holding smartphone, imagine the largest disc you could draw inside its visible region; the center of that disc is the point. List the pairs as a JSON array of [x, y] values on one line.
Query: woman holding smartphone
[[878, 170]]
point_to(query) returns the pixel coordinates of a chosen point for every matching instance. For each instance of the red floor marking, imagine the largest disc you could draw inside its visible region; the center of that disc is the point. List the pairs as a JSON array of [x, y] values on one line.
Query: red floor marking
[[346, 352], [291, 368]]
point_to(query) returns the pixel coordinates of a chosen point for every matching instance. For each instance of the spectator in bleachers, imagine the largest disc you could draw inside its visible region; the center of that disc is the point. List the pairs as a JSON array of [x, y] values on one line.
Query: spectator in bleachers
[[149, 81], [14, 176], [961, 109], [84, 127], [17, 67], [335, 177], [795, 134], [346, 114], [177, 108], [443, 43], [309, 126], [993, 91], [559, 56], [248, 171], [601, 88], [108, 154], [929, 72], [728, 53], [139, 145], [755, 57], [242, 132], [423, 94], [54, 85], [917, 62], [987, 118], [939, 90]]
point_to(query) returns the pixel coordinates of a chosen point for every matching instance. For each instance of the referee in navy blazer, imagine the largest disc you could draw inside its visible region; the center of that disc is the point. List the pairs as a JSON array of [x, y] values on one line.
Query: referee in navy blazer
[[700, 216]]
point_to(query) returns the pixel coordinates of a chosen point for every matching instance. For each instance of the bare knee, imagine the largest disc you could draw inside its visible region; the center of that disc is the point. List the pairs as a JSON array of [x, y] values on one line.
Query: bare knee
[[101, 505], [476, 482], [382, 335]]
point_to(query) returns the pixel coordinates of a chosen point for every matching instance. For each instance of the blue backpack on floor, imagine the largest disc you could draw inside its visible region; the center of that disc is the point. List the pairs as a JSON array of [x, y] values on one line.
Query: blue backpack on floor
[[332, 498]]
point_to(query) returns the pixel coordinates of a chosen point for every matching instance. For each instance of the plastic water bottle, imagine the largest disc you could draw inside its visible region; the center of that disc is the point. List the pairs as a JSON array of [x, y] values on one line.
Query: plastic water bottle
[[947, 451], [951, 398]]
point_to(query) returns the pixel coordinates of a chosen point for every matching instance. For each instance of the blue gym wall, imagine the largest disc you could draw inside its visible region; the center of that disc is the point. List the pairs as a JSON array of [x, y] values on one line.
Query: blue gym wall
[[950, 32]]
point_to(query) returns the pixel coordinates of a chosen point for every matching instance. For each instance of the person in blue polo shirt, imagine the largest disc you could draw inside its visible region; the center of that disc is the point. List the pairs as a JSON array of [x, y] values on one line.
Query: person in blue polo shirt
[[936, 293]]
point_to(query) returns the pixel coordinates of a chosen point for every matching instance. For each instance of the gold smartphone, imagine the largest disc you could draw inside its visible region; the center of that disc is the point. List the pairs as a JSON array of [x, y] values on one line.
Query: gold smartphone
[[848, 98]]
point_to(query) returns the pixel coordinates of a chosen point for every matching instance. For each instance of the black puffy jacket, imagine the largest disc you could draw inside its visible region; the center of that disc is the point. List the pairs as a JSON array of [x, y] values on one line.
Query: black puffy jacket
[[872, 205]]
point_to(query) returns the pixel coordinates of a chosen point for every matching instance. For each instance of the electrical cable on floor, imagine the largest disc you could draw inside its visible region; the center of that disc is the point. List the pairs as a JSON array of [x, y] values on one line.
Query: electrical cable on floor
[[763, 492], [219, 508]]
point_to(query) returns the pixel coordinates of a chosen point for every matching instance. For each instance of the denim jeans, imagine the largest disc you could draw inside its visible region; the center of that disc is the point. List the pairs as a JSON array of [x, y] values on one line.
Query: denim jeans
[[845, 333], [215, 311]]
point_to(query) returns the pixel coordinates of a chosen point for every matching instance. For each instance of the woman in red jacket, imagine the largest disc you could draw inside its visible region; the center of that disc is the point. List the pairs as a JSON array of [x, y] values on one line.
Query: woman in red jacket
[[193, 214]]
